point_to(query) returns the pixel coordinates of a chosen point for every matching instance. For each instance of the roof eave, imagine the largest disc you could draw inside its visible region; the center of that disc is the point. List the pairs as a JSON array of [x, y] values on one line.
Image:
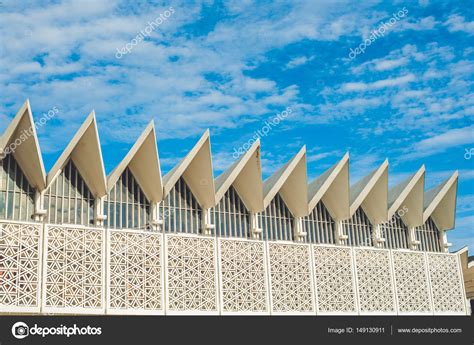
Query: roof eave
[[375, 206], [292, 186], [84, 145], [143, 161], [246, 177], [443, 207], [341, 210], [28, 153], [196, 168]]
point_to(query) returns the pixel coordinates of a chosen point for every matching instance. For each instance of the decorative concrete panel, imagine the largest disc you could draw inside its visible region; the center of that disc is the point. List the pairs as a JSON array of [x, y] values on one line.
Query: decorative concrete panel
[[290, 278], [191, 268], [334, 278], [446, 283], [134, 271], [243, 282], [411, 283], [20, 266], [374, 281], [74, 270]]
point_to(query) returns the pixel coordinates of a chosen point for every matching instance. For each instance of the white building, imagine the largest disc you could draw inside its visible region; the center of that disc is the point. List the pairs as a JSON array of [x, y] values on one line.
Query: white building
[[78, 241]]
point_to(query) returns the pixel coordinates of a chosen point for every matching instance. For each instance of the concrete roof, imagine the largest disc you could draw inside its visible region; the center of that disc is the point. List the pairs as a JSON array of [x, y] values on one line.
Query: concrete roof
[[371, 193], [196, 169], [407, 196], [28, 154], [84, 149], [291, 182], [144, 163], [332, 188], [440, 203], [245, 175]]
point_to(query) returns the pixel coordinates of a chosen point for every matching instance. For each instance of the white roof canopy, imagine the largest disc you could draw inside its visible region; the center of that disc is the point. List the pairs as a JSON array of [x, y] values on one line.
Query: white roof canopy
[[246, 177], [291, 182], [84, 150], [196, 169], [332, 188], [440, 203], [143, 162], [21, 135], [408, 197], [371, 193]]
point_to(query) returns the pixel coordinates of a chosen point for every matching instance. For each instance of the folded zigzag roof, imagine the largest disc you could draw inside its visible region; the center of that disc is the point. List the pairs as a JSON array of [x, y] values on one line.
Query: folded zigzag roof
[[246, 177], [21, 135], [291, 182], [332, 187], [143, 161]]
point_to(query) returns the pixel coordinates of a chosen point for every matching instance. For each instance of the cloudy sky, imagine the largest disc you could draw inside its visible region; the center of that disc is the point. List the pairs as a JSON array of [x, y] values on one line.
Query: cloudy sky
[[233, 65]]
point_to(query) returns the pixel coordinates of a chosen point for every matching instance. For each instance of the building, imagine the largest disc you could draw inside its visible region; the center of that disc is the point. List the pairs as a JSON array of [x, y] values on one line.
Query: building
[[467, 263], [75, 241]]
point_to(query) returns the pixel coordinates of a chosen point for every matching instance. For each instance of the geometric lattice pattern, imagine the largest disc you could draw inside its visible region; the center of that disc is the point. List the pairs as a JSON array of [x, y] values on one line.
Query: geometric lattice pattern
[[19, 266], [74, 269], [411, 282], [191, 274], [134, 263], [334, 278], [446, 280], [374, 281], [290, 277], [243, 283]]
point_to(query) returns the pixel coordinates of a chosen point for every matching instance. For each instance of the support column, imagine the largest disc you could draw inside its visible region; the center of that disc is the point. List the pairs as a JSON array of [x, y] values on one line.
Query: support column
[[378, 236], [444, 244], [341, 237], [255, 229], [40, 212], [206, 223], [299, 233], [99, 216], [156, 222], [413, 243]]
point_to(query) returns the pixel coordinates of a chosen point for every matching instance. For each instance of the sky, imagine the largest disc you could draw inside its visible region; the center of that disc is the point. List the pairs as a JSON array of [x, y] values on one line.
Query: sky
[[377, 79]]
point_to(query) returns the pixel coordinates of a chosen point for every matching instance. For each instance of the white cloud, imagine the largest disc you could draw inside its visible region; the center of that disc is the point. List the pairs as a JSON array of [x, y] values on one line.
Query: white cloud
[[441, 142], [298, 61], [426, 23], [386, 65], [457, 23], [379, 84]]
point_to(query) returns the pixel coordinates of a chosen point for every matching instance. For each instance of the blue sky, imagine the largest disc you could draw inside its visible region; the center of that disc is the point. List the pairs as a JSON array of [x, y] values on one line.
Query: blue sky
[[232, 65]]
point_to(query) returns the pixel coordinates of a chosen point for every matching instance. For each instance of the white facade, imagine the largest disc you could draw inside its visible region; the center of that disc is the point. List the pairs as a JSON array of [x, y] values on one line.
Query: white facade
[[75, 241]]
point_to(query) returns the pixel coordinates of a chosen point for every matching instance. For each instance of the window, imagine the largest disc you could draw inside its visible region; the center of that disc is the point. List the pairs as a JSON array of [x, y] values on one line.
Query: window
[[319, 225], [395, 233], [428, 235], [180, 210], [126, 205], [358, 229], [16, 193], [230, 216], [277, 221], [68, 200]]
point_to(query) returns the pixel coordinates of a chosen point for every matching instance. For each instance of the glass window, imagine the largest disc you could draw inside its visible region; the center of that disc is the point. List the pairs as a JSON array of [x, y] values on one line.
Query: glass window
[[319, 225], [66, 199], [277, 221], [358, 229], [16, 194], [180, 210], [127, 208]]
